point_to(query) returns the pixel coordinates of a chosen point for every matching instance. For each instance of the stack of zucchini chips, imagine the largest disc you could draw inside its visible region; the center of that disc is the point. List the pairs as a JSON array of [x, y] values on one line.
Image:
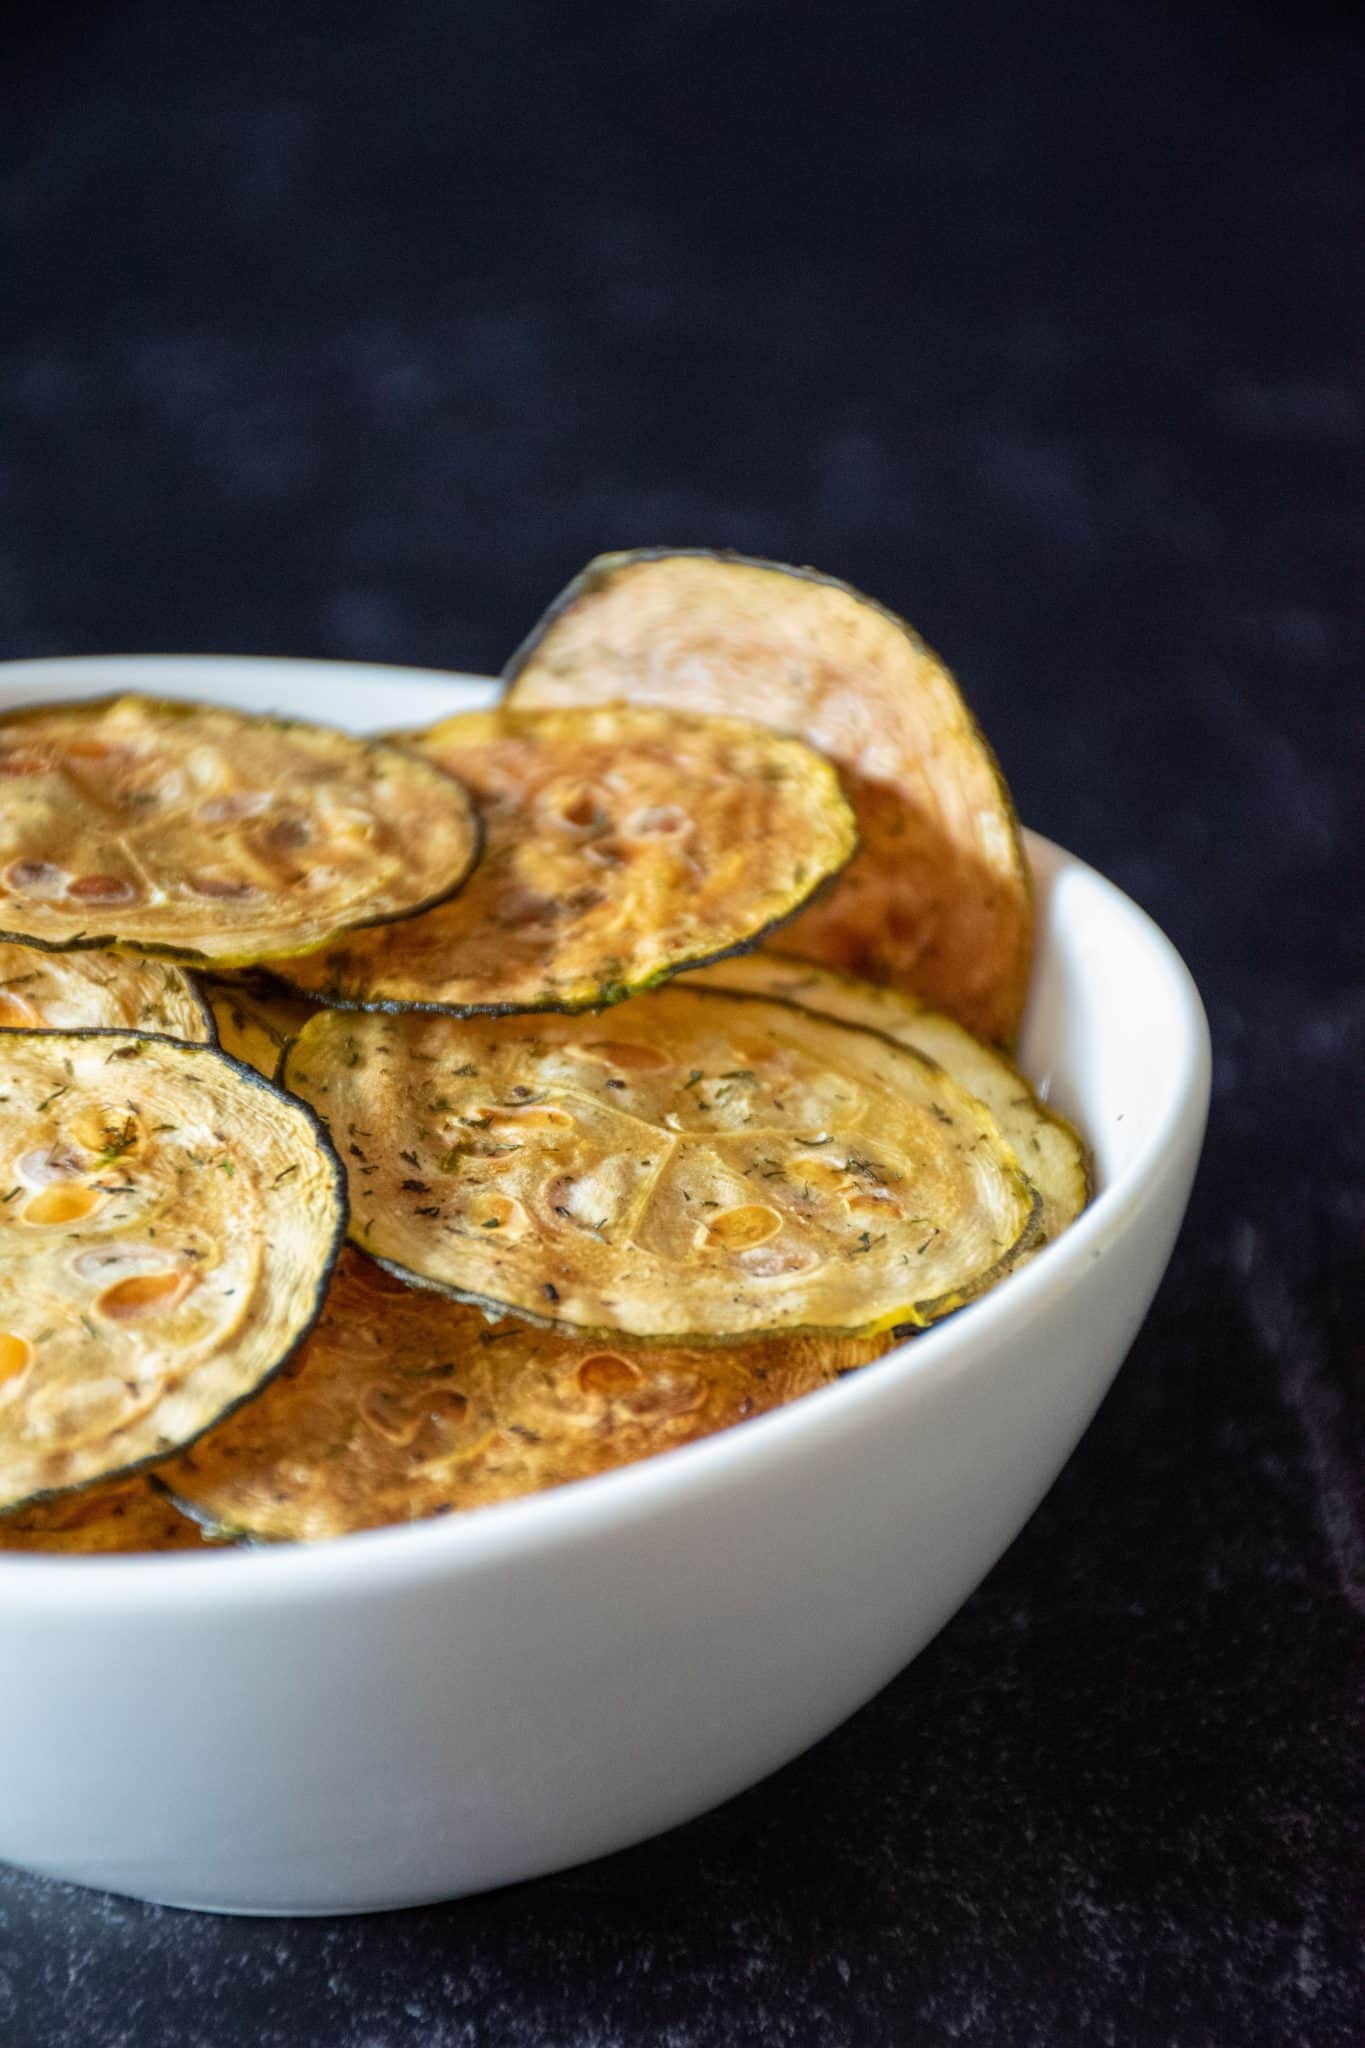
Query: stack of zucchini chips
[[393, 1126]]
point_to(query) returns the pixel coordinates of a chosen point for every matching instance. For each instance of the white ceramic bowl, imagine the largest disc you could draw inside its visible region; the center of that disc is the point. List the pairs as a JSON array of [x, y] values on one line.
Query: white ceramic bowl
[[420, 1712]]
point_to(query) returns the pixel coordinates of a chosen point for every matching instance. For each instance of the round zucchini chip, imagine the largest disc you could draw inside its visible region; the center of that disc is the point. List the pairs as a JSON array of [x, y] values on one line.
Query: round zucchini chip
[[255, 1025], [938, 899], [698, 1168], [93, 991], [1051, 1150], [119, 1515], [620, 844], [168, 1223], [403, 1405], [209, 836]]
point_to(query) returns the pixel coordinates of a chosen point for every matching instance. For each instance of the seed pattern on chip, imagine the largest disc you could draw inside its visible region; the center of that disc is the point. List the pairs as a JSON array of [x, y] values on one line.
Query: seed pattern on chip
[[213, 837], [620, 844], [404, 1404], [167, 1227], [695, 1167], [938, 899], [1050, 1150], [91, 991]]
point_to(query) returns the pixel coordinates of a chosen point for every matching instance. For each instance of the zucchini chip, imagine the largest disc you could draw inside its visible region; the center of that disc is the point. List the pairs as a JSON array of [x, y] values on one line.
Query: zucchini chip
[[620, 844], [167, 1226], [255, 1025], [404, 1405], [938, 900], [93, 991], [697, 1168], [118, 1515], [210, 836], [1050, 1150]]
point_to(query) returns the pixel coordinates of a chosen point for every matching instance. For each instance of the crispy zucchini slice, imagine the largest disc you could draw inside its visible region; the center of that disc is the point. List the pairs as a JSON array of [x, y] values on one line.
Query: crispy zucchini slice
[[404, 1404], [209, 836], [697, 1168], [938, 899], [254, 1025], [1051, 1150], [167, 1227], [117, 1515], [85, 991], [620, 844]]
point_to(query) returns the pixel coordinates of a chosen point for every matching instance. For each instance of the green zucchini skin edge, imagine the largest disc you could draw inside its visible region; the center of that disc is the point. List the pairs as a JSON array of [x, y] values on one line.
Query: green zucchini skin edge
[[187, 956], [604, 998], [341, 1216], [205, 1009]]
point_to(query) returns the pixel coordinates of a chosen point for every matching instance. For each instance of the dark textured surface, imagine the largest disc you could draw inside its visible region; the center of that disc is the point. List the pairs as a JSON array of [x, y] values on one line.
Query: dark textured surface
[[351, 331]]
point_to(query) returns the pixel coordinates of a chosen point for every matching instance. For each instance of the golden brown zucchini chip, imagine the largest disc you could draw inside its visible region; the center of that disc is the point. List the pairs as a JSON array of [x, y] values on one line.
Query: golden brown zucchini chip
[[168, 1223], [254, 1025], [92, 991], [697, 1167], [1050, 1150], [210, 836], [117, 1515], [620, 844], [938, 899], [403, 1404]]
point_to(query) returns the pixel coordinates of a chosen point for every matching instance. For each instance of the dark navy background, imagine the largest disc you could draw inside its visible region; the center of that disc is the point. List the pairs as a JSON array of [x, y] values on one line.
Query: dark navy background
[[353, 330]]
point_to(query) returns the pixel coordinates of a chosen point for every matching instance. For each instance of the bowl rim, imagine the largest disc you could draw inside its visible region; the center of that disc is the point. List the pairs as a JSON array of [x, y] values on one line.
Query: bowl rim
[[443, 1545]]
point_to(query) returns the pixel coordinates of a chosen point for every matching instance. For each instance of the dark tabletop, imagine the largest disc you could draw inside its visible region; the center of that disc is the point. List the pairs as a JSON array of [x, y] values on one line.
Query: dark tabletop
[[352, 331]]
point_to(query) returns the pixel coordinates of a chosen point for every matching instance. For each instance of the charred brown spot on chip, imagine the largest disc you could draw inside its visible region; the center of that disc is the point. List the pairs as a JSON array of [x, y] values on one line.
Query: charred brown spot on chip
[[101, 889], [37, 877], [223, 888]]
